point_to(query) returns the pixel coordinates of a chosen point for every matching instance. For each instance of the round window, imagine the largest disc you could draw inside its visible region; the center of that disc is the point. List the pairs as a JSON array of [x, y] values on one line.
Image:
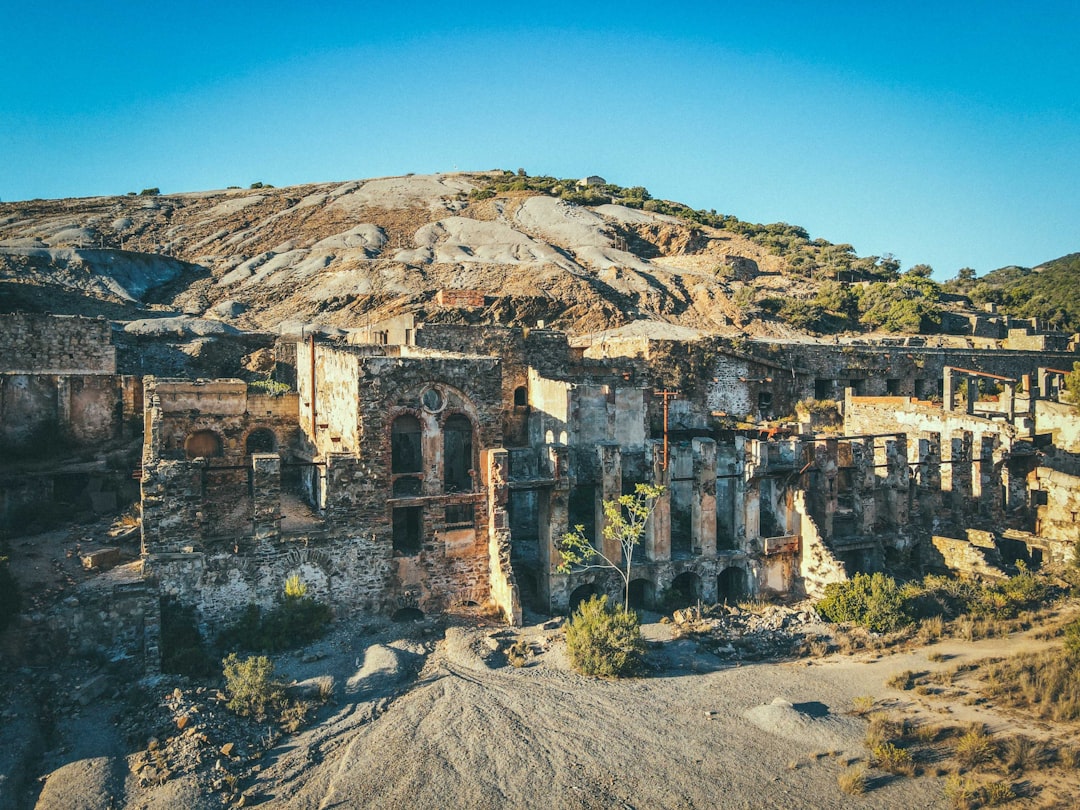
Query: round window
[[433, 400]]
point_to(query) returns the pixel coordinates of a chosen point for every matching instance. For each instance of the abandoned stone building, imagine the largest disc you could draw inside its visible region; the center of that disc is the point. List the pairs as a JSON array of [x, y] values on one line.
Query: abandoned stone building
[[426, 467]]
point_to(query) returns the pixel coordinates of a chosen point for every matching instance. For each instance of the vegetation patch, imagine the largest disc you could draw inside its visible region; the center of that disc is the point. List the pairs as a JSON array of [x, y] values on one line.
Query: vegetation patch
[[604, 640]]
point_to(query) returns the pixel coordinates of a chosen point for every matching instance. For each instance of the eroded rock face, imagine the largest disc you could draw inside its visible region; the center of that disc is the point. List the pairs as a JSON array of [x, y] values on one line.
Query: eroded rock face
[[329, 251]]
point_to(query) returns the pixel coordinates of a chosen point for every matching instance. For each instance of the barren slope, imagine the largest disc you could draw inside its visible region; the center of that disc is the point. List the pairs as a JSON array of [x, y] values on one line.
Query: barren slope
[[342, 253]]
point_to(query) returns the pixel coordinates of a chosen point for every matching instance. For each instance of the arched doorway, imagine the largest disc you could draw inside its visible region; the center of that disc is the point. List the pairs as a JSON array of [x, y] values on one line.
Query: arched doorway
[[732, 585], [686, 587], [408, 614], [642, 594], [582, 594], [260, 440], [203, 444]]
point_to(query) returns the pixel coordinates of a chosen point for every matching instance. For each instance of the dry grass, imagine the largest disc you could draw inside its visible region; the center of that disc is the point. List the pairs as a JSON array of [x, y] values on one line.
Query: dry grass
[[1020, 754], [1047, 684], [975, 747], [862, 705], [930, 630], [883, 729], [903, 680], [893, 759], [852, 781]]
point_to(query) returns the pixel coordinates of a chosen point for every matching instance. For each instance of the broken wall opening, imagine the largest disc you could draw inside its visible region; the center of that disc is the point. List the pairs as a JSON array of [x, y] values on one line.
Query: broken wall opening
[[408, 527], [457, 454]]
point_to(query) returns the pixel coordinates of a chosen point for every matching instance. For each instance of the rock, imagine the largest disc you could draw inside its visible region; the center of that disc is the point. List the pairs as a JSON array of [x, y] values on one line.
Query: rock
[[92, 689], [227, 749]]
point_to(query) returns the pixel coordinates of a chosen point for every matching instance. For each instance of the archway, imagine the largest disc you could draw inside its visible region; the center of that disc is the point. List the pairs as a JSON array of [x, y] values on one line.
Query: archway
[[203, 444], [732, 585], [687, 588], [408, 614], [260, 440], [642, 594], [582, 594]]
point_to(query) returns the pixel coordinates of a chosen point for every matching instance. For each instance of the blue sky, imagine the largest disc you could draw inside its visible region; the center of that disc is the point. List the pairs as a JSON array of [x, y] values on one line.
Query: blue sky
[[944, 133]]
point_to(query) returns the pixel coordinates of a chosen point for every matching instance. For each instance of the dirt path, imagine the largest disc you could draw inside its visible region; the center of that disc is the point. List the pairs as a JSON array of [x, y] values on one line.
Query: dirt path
[[472, 734]]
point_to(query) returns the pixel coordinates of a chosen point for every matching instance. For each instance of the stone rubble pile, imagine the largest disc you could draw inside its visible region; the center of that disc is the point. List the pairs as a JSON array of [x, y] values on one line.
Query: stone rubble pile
[[735, 633]]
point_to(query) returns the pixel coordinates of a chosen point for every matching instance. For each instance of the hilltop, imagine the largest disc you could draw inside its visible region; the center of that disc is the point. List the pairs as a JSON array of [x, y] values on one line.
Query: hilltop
[[579, 255]]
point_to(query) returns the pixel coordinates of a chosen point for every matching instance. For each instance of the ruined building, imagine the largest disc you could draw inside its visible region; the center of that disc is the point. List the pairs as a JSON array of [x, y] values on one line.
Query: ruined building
[[431, 467]]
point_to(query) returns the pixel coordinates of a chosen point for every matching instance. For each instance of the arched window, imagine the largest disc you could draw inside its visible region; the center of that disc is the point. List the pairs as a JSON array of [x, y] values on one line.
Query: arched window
[[457, 454], [202, 444], [521, 397], [260, 440], [406, 455]]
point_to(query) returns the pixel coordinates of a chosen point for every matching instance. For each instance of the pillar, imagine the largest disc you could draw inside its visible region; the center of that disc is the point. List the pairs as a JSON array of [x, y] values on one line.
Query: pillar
[[266, 496], [610, 489], [703, 501], [658, 530]]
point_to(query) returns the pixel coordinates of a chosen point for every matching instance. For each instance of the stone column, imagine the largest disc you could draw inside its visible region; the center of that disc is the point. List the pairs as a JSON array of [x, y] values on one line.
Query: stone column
[[960, 472], [972, 394], [555, 509], [658, 530], [929, 486], [825, 460], [896, 480], [863, 481], [503, 586], [703, 501], [947, 387], [610, 489], [266, 496]]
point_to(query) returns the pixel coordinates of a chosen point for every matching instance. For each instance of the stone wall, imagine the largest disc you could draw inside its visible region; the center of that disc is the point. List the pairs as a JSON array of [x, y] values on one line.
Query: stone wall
[[55, 344]]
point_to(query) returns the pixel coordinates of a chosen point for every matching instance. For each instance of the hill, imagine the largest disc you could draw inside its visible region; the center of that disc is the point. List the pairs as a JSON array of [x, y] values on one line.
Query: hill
[[580, 256], [1050, 291]]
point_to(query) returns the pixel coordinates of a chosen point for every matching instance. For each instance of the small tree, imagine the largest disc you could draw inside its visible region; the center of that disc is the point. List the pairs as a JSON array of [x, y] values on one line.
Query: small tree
[[625, 519]]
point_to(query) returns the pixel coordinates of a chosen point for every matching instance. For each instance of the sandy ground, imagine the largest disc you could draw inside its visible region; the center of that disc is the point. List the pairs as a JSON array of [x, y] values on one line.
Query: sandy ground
[[476, 732]]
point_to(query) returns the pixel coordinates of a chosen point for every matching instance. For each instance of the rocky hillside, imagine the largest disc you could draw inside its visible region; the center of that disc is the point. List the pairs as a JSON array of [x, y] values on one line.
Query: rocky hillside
[[579, 257]]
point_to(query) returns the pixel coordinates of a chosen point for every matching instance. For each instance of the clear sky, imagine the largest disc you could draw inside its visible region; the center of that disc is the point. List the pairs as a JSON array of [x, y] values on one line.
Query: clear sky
[[946, 133]]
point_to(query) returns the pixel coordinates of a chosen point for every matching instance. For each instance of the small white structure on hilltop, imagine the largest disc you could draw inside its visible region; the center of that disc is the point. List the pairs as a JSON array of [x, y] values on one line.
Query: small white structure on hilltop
[[592, 180]]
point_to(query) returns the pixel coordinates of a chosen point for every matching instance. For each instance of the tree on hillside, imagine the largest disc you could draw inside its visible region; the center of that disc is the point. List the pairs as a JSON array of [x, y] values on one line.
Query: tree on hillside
[[625, 520]]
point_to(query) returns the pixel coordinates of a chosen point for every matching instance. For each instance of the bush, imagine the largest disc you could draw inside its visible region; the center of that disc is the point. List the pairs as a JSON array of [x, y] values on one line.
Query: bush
[[150, 192], [251, 686], [604, 640], [852, 781], [873, 601]]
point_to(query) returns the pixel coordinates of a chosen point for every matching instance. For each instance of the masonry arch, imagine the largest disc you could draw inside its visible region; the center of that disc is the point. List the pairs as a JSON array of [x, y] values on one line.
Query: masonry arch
[[732, 585], [260, 440], [582, 594], [203, 444], [686, 587]]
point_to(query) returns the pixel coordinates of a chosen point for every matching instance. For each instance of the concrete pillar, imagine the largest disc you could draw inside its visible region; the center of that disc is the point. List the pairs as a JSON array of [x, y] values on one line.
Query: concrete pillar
[[972, 394], [266, 496], [988, 492], [610, 489], [658, 531], [703, 502], [947, 387], [63, 403]]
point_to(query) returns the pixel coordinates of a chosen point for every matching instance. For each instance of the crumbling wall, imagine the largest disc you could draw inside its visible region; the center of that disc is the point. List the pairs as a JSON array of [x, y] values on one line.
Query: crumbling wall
[[55, 344], [1059, 504]]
